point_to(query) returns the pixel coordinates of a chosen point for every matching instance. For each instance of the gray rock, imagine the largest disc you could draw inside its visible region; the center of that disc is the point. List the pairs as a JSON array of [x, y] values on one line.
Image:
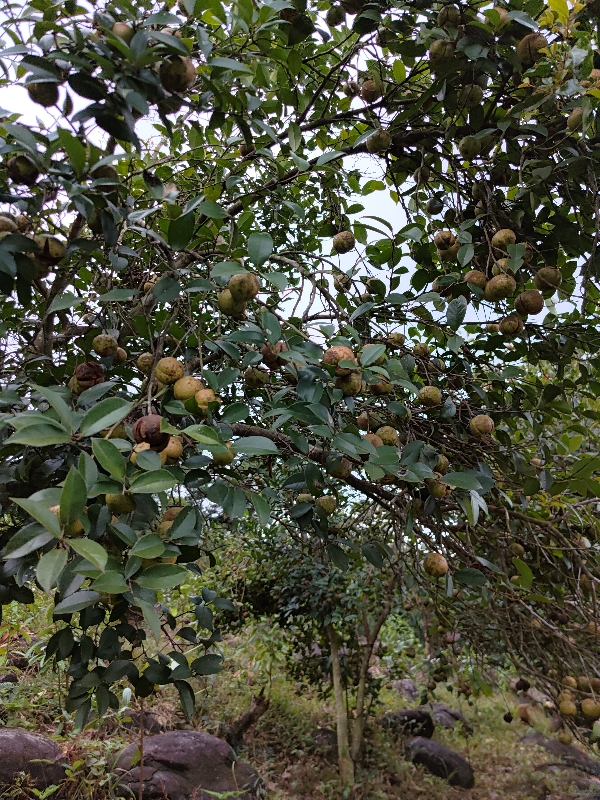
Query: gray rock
[[407, 687], [440, 761], [409, 722], [186, 765], [447, 717], [572, 756], [35, 755]]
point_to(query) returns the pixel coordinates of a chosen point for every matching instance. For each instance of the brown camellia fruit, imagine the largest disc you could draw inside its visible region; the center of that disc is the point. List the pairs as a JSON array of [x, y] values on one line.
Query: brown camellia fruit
[[244, 286], [224, 459], [104, 345], [186, 387], [421, 350], [270, 354], [476, 277], [172, 513], [147, 429], [22, 170], [120, 503], [370, 91], [246, 149], [89, 374], [177, 74], [52, 250], [442, 464], [229, 306], [43, 93], [105, 172], [351, 385], [435, 565], [481, 425], [169, 370], [443, 240], [511, 325], [529, 302], [123, 31], [327, 503], [430, 396], [255, 378], [396, 339], [341, 469], [379, 142], [373, 439], [500, 287], [528, 49], [145, 362], [502, 238], [547, 279], [440, 50], [388, 435], [343, 242], [338, 353]]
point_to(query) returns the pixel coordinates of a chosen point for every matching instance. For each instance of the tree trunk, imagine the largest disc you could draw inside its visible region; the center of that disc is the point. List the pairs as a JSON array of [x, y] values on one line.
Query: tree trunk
[[346, 763]]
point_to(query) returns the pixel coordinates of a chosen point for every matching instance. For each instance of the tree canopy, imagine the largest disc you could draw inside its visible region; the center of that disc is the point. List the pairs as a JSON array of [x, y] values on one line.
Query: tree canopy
[[202, 308]]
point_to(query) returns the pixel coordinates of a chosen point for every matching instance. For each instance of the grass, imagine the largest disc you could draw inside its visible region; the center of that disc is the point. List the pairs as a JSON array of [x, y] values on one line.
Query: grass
[[281, 748]]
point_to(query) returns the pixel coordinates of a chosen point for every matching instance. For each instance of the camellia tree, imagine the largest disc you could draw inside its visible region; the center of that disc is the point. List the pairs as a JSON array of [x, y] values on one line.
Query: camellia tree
[[195, 309]]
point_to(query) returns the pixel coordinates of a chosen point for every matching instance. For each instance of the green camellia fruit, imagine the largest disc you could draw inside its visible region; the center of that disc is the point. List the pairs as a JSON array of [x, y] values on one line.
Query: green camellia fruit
[[343, 242], [481, 425], [430, 396], [435, 565]]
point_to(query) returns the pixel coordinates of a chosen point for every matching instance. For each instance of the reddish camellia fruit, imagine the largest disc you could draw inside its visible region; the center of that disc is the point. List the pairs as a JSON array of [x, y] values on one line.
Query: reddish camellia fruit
[[147, 429], [89, 374]]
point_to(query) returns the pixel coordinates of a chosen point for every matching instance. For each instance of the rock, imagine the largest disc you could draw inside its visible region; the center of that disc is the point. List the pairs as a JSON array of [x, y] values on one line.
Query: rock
[[571, 755], [447, 717], [409, 722], [440, 761], [325, 744], [187, 765], [39, 757], [407, 687], [151, 723]]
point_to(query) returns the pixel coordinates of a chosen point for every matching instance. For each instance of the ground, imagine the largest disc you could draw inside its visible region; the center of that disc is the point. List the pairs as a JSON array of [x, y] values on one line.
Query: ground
[[280, 746]]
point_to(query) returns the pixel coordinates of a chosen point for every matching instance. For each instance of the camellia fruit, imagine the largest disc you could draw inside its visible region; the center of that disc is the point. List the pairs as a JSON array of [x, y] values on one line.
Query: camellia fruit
[[435, 565], [141, 447], [370, 91], [169, 370], [120, 503], [147, 429], [327, 503], [177, 74], [224, 459], [334, 355], [123, 31], [470, 96], [343, 242], [503, 238], [511, 325], [104, 345], [590, 708], [379, 142], [120, 357], [547, 279], [229, 306], [430, 396], [89, 374], [351, 385], [52, 250], [373, 439], [481, 425], [396, 339], [243, 286], [500, 287], [476, 277], [174, 449], [185, 388], [443, 240], [204, 397], [22, 170], [449, 17], [388, 435], [255, 378], [440, 50], [529, 302], [43, 93], [528, 49], [145, 363], [383, 386]]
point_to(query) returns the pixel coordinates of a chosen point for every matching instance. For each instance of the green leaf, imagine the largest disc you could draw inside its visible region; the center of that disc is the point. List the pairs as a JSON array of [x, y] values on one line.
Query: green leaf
[[372, 554], [77, 602], [272, 327], [525, 573], [91, 551], [39, 435], [181, 231], [229, 64], [211, 210], [27, 540], [41, 513], [73, 497], [58, 403], [117, 295], [262, 508], [294, 136], [64, 301], [255, 446], [151, 618], [50, 567], [109, 457], [470, 577], [148, 546], [338, 557], [103, 415], [186, 697], [162, 576], [260, 247], [371, 353], [462, 480], [456, 312], [398, 71], [235, 412], [158, 480], [74, 149], [110, 582], [210, 664]]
